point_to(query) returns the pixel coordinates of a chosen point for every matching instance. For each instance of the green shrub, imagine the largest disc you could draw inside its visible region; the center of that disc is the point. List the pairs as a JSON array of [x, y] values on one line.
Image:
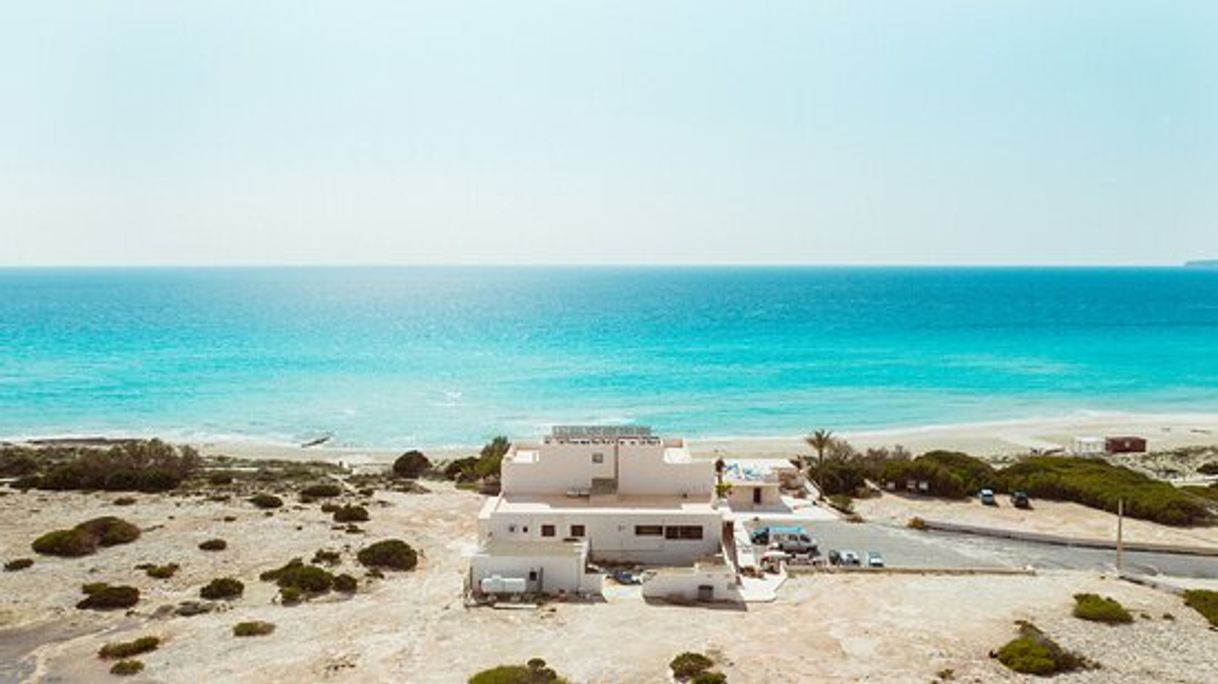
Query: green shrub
[[254, 628], [1101, 485], [214, 545], [125, 501], [126, 649], [916, 523], [412, 464], [1210, 468], [105, 597], [110, 531], [346, 584], [220, 478], [69, 543], [351, 513], [18, 564], [325, 557], [124, 668], [841, 502], [222, 588], [17, 461], [461, 469], [1100, 609], [393, 554], [1032, 652], [688, 664], [329, 507], [134, 465], [1203, 601], [841, 477], [709, 678], [534, 672], [322, 490], [309, 579], [266, 501], [161, 571], [948, 474], [290, 596]]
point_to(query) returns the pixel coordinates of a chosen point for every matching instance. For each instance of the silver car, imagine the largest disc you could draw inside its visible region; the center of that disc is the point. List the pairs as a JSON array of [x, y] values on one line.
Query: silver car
[[850, 558], [874, 559]]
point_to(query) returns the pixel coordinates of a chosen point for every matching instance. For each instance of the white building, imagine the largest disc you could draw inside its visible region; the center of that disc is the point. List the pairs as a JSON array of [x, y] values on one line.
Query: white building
[[598, 494]]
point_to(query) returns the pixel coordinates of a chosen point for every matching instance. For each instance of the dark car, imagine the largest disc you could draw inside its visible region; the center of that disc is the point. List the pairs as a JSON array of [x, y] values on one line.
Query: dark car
[[835, 558], [1021, 500]]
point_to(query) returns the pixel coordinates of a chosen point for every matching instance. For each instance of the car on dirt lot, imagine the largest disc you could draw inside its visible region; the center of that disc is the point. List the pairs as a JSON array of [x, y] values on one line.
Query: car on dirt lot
[[987, 497], [1021, 500], [850, 558], [874, 559]]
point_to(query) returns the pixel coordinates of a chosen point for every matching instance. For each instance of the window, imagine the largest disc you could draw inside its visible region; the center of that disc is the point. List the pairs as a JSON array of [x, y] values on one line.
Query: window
[[577, 530], [598, 457], [648, 531], [683, 532], [532, 575], [547, 530]]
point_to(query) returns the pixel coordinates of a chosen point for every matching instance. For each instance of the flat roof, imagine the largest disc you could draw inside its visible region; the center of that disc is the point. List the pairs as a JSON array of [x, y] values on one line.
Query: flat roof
[[668, 505], [548, 547], [602, 431]]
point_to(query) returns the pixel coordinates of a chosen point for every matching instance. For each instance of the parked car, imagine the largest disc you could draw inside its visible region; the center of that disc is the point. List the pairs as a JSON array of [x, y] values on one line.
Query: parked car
[[791, 539], [850, 558], [835, 558], [874, 559], [626, 577], [1021, 500], [987, 497]]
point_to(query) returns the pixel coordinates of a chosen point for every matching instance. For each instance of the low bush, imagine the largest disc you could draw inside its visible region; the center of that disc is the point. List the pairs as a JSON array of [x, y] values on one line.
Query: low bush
[[412, 465], [161, 571], [126, 649], [325, 557], [1203, 601], [688, 664], [1100, 609], [709, 678], [1209, 468], [346, 584], [125, 668], [213, 545], [220, 478], [254, 628], [351, 513], [133, 465], [329, 507], [1102, 485], [948, 474], [125, 501], [68, 543], [110, 531], [290, 596], [266, 501], [534, 672], [392, 554], [842, 502], [1032, 652], [323, 490], [309, 579], [222, 588], [18, 564], [105, 597], [916, 523]]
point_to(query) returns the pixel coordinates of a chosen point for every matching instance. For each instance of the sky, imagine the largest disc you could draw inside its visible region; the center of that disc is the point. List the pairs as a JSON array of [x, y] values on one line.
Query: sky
[[656, 132]]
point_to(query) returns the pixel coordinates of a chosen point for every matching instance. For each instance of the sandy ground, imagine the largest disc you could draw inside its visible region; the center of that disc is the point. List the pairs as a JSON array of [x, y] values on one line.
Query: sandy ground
[[1045, 517], [1165, 431], [412, 627]]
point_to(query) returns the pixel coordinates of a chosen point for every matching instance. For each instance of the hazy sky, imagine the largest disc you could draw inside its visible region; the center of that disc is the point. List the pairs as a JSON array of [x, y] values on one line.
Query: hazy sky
[[573, 132]]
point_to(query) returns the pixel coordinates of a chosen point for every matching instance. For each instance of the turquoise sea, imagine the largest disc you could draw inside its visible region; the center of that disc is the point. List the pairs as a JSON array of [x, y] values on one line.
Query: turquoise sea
[[396, 357]]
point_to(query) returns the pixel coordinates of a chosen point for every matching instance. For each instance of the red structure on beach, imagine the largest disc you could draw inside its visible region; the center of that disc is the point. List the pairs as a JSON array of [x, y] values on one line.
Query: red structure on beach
[[1125, 445]]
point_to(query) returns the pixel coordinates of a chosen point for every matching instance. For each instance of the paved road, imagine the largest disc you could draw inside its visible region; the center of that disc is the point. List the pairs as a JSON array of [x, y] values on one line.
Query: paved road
[[903, 547]]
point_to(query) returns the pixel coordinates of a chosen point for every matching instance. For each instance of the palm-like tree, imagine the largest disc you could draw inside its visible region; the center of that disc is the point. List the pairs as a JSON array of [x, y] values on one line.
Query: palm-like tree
[[819, 440]]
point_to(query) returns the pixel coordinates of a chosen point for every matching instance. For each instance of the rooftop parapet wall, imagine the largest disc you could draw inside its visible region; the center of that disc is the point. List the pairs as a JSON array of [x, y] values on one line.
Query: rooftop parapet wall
[[637, 466]]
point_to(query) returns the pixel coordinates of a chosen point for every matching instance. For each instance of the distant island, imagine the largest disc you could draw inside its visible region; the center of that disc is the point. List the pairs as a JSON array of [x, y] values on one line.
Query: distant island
[[1202, 263]]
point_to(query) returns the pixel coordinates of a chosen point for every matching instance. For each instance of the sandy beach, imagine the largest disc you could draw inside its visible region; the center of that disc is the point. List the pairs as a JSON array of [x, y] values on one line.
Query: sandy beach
[[992, 439]]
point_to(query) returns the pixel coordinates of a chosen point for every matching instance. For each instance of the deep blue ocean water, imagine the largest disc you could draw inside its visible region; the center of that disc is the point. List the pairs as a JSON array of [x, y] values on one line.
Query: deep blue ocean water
[[395, 357]]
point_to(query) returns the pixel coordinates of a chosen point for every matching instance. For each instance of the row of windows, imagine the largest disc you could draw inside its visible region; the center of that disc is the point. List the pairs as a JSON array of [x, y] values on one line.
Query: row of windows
[[669, 532], [577, 531]]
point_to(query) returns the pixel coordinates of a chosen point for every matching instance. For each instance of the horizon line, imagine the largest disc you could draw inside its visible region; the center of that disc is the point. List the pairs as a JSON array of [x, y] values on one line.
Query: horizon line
[[605, 264]]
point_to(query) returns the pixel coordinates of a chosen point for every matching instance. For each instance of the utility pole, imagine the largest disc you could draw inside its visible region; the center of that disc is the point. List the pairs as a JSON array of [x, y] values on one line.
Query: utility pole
[[1120, 523]]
